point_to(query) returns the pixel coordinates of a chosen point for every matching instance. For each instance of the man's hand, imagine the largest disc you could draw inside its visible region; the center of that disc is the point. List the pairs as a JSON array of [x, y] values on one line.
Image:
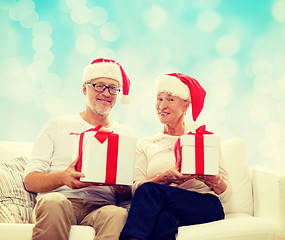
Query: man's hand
[[70, 177]]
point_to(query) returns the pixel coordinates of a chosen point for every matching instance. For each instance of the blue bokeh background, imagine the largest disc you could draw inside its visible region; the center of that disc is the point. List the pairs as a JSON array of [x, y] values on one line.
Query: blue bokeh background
[[235, 49]]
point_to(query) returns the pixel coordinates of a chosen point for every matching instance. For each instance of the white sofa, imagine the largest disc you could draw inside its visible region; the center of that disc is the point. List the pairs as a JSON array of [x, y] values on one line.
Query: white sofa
[[255, 212]]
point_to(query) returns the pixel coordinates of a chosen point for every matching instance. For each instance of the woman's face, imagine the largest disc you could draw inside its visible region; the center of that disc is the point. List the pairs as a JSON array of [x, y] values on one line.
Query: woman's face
[[170, 109]]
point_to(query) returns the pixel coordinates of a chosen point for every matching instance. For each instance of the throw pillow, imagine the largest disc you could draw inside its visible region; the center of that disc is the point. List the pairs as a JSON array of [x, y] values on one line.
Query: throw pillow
[[16, 204]]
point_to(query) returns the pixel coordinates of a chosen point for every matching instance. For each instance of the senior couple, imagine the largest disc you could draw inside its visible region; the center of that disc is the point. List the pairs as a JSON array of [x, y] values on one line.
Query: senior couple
[[163, 200]]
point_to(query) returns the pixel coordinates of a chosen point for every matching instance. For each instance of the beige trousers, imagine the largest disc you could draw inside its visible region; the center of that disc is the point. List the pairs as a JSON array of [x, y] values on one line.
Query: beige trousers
[[54, 214]]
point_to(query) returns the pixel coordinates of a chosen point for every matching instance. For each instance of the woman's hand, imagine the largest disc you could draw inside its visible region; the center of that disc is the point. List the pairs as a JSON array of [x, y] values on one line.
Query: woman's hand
[[172, 175], [215, 182]]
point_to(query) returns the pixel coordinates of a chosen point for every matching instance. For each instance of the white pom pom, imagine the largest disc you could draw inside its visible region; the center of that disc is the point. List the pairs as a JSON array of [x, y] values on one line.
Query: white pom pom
[[125, 99]]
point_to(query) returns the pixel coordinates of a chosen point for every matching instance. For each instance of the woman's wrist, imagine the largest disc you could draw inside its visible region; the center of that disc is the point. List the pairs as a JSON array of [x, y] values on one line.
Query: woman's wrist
[[220, 187]]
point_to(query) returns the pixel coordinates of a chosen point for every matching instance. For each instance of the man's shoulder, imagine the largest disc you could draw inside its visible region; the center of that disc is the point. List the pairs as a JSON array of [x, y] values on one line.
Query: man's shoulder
[[64, 119], [122, 129]]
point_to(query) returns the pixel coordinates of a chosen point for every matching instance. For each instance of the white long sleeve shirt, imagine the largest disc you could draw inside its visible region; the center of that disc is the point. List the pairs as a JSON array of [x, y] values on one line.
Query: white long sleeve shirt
[[155, 155], [55, 149]]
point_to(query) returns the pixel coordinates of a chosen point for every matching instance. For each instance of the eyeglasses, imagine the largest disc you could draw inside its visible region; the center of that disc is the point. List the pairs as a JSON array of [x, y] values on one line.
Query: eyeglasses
[[99, 87]]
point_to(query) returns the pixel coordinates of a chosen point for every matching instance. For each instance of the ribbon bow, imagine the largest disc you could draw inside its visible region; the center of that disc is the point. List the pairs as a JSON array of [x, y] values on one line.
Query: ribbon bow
[[199, 149], [101, 135], [200, 131]]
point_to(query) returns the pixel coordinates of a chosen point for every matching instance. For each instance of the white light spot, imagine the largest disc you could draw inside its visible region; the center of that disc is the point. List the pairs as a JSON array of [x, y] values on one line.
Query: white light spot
[[55, 106], [155, 17], [80, 14], [281, 84], [36, 71], [30, 21], [262, 84], [105, 53], [262, 67], [23, 89], [268, 149], [228, 45], [44, 58], [51, 83], [259, 113], [42, 42], [110, 32], [42, 28], [6, 4], [278, 11], [21, 10], [216, 116], [275, 131], [226, 68], [209, 21], [220, 94], [75, 3], [63, 6], [85, 44], [206, 4], [11, 68], [281, 109], [98, 16]]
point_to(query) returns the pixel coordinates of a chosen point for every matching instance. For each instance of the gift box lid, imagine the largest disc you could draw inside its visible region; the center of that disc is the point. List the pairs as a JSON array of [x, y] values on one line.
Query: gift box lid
[[209, 140]]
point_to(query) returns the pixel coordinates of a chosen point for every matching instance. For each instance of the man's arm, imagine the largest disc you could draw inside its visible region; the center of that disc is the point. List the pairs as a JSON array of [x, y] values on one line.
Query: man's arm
[[43, 182]]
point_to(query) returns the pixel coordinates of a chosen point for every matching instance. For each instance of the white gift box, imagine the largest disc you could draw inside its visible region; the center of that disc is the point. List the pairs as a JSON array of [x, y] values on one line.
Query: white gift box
[[110, 162], [208, 164]]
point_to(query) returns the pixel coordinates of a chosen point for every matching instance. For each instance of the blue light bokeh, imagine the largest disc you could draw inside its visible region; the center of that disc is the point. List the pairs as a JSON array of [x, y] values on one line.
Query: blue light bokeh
[[235, 49]]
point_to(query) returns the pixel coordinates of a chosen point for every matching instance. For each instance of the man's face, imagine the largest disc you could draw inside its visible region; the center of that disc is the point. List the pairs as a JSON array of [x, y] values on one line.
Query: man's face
[[100, 102]]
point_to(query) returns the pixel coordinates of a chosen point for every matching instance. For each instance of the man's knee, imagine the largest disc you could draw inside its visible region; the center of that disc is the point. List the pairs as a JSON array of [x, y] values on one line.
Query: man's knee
[[53, 203], [112, 211]]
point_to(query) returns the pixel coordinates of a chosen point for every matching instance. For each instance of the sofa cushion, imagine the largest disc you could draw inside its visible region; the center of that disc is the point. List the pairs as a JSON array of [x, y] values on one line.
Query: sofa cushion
[[16, 203], [235, 156]]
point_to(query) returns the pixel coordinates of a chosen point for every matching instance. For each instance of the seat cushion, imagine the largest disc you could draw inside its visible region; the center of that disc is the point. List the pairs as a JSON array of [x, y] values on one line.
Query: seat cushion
[[16, 231], [235, 227], [16, 203]]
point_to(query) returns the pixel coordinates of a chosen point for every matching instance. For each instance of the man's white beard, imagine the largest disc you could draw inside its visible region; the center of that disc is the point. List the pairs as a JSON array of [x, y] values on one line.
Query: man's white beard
[[96, 108]]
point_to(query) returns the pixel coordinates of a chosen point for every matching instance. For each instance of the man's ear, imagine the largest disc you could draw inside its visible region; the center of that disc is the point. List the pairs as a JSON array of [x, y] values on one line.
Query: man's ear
[[84, 89]]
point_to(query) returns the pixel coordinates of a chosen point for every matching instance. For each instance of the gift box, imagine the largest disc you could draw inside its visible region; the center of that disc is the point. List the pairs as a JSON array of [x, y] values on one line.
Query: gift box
[[198, 153], [106, 158]]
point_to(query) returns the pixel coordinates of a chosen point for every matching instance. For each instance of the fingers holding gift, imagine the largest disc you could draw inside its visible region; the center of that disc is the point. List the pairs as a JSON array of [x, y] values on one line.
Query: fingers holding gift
[[70, 178], [210, 180]]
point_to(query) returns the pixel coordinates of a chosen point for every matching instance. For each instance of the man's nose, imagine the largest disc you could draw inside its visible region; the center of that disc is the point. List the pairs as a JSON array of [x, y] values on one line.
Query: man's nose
[[106, 91]]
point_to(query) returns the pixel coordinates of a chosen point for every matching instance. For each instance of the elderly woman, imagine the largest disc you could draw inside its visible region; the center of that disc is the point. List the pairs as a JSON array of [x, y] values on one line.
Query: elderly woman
[[164, 198]]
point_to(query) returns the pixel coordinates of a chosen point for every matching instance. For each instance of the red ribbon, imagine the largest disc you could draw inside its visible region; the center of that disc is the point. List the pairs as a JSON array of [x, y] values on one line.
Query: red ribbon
[[199, 149], [112, 152]]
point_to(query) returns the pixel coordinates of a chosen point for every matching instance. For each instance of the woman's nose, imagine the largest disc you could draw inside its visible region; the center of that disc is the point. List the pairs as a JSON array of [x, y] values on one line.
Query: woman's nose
[[163, 104]]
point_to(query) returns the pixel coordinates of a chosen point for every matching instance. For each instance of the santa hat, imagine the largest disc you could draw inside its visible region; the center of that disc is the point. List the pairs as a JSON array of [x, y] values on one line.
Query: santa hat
[[185, 87], [109, 69]]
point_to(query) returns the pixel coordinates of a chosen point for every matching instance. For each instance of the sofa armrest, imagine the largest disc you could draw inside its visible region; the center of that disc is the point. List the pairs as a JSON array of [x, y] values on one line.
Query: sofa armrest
[[269, 195]]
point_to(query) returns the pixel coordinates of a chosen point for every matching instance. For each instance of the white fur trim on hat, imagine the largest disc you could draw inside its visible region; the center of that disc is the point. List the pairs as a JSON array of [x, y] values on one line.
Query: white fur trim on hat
[[173, 86], [103, 69]]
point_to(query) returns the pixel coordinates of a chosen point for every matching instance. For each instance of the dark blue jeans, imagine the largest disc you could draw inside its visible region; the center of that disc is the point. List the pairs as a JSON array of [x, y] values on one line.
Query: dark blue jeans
[[158, 210]]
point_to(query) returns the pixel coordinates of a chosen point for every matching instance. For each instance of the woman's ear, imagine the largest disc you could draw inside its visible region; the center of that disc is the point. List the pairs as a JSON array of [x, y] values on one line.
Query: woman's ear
[[187, 104]]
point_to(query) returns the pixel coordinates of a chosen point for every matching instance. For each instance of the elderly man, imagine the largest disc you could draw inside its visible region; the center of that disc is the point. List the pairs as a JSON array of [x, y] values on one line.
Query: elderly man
[[63, 200]]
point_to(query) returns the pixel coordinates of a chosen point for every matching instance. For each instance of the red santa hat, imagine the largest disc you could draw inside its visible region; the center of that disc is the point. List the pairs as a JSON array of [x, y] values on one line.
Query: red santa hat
[[185, 87], [109, 69]]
